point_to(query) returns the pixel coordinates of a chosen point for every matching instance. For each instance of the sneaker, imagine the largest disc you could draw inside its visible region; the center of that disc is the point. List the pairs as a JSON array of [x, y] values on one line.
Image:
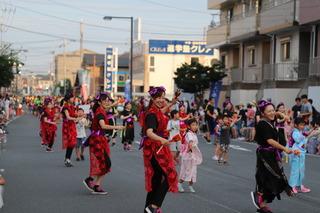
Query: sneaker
[[264, 209], [256, 199], [215, 157], [88, 183], [294, 190], [150, 209], [192, 189], [97, 190], [82, 157], [180, 187], [49, 149], [77, 159], [68, 163], [304, 189]]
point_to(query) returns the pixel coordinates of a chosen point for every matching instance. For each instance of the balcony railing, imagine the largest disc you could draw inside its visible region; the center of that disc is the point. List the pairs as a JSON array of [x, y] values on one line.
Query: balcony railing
[[285, 71], [315, 67], [217, 35], [246, 75], [242, 25], [277, 15]]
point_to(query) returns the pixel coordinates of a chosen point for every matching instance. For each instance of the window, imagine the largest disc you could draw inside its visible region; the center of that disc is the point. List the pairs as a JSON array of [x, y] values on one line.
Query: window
[[252, 56], [285, 50], [151, 61], [194, 60], [152, 64]]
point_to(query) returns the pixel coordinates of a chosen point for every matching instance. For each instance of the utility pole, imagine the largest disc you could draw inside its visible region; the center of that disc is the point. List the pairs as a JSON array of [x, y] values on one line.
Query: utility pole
[[81, 44], [64, 66]]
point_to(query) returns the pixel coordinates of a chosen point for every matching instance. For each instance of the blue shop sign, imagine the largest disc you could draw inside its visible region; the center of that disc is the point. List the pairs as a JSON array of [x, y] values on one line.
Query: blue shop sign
[[179, 47]]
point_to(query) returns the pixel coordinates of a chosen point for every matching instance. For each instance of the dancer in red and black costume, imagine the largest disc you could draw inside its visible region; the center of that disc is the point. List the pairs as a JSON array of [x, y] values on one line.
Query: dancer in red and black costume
[[69, 130], [99, 149], [160, 172], [49, 124]]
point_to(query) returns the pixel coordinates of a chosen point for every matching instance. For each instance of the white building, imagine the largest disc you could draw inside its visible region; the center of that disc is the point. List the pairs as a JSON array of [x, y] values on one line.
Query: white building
[[156, 61]]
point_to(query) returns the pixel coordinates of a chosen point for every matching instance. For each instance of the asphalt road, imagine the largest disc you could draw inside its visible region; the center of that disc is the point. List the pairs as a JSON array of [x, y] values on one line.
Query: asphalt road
[[39, 182]]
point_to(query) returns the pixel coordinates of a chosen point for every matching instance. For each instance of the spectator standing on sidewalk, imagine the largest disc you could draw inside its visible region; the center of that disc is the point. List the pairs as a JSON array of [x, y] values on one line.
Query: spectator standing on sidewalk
[[296, 108], [306, 109]]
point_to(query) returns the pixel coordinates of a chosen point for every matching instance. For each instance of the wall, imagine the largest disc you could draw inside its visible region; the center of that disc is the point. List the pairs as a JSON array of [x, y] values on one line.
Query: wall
[[166, 65], [309, 11], [278, 95], [294, 48], [243, 96], [72, 66], [313, 93]]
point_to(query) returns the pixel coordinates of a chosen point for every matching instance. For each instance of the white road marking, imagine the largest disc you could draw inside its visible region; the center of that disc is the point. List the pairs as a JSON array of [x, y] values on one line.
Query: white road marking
[[237, 147]]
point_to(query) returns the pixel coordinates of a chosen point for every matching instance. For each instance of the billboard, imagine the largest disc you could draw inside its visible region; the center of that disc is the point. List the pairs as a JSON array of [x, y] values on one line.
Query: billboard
[[179, 47]]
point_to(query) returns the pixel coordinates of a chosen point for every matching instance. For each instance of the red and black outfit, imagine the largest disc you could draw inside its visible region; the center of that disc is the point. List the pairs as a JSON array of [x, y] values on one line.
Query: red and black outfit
[[69, 130], [160, 172], [100, 162], [49, 130]]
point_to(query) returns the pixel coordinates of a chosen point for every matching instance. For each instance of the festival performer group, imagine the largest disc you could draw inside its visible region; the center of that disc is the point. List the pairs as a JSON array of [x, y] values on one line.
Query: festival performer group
[[170, 145]]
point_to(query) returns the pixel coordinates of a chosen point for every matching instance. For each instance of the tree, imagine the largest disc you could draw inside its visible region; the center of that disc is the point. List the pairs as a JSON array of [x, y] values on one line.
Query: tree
[[8, 61], [196, 78]]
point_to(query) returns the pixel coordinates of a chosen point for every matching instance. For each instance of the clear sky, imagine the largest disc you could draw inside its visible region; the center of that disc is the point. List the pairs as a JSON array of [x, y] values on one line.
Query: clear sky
[[161, 19]]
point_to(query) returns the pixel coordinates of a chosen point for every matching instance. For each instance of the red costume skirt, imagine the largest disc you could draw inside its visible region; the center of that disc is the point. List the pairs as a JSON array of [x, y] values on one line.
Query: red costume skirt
[[164, 159], [100, 163], [49, 133], [69, 134]]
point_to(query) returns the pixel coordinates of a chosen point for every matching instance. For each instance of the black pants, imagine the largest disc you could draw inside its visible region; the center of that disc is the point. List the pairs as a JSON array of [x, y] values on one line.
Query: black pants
[[69, 153], [160, 185]]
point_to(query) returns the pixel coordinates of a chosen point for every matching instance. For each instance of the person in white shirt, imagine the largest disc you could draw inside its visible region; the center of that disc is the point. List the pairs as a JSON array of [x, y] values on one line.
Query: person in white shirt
[[81, 134], [174, 129]]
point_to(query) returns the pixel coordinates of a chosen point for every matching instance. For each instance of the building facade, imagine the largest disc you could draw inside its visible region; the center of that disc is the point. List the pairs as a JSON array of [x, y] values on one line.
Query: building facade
[[67, 65], [156, 61], [270, 48], [95, 64]]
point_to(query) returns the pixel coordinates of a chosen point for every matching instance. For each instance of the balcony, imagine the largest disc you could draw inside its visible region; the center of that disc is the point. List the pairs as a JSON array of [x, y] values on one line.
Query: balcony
[[277, 14], [217, 35], [250, 75], [217, 4], [285, 71], [243, 26], [315, 68]]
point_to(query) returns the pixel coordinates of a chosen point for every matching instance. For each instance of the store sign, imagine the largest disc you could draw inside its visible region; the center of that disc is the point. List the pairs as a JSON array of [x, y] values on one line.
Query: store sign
[[179, 47], [108, 59]]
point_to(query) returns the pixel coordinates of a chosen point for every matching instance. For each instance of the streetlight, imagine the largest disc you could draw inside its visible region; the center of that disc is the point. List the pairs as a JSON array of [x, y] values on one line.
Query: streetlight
[[109, 18]]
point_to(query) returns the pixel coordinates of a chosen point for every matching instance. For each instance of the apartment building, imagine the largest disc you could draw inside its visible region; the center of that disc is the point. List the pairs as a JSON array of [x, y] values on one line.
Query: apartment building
[[271, 48]]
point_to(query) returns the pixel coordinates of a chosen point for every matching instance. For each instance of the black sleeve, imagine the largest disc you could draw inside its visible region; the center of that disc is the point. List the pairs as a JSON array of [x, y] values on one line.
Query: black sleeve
[[100, 117], [151, 122], [265, 131]]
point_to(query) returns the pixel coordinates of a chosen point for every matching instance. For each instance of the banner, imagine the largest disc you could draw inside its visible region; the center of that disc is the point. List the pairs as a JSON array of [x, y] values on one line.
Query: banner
[[179, 47], [108, 61], [215, 91], [127, 90]]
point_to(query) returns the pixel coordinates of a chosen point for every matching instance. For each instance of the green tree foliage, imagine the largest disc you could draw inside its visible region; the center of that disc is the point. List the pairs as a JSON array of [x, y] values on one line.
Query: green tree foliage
[[8, 65], [196, 78]]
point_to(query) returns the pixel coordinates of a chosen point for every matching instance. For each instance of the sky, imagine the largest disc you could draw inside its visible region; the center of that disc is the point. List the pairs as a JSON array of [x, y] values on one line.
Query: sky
[[37, 27]]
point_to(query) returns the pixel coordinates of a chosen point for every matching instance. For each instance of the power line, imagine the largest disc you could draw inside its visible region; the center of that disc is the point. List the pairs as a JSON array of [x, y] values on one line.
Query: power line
[[38, 33], [100, 26], [177, 8]]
